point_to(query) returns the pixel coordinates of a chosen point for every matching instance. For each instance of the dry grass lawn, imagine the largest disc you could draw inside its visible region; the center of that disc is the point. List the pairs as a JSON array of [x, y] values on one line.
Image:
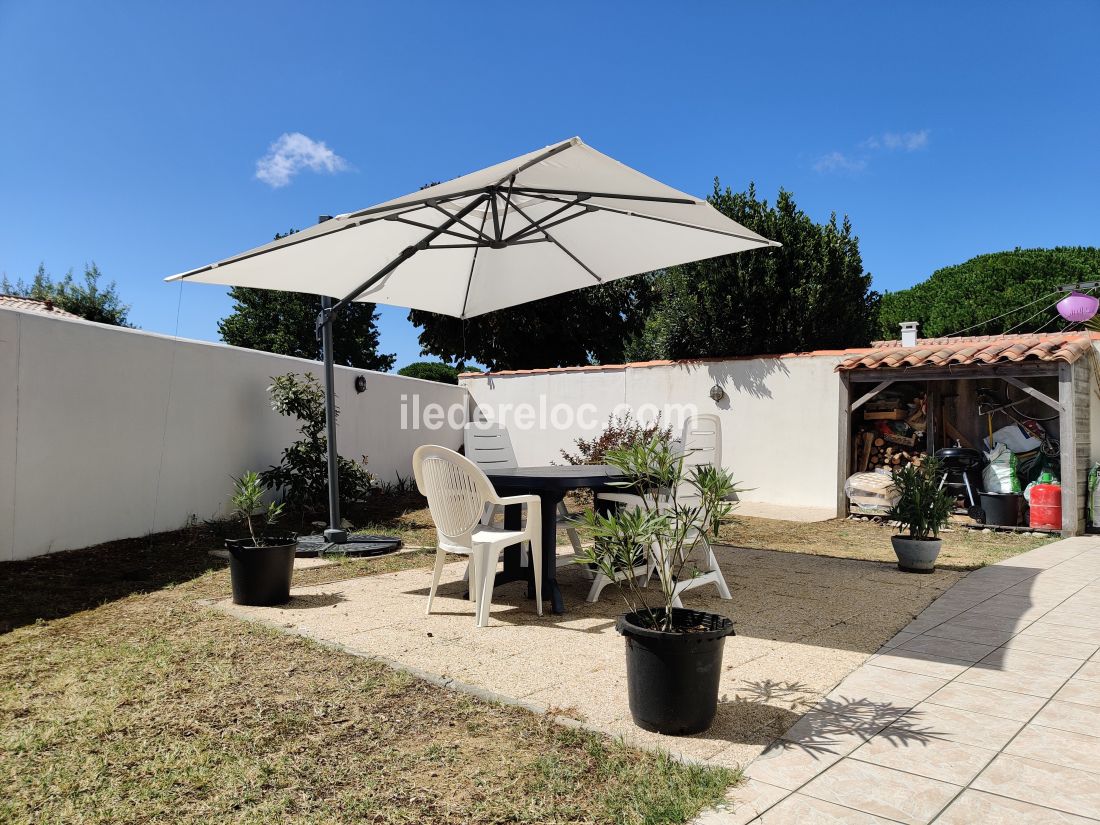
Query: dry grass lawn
[[121, 701], [868, 541]]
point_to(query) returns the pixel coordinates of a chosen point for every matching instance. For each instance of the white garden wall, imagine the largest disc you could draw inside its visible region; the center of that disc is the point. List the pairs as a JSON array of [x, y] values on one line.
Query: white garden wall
[[779, 417], [108, 433]]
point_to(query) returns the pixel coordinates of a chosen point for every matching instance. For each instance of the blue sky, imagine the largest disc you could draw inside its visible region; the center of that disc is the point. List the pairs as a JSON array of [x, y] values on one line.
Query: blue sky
[[132, 130]]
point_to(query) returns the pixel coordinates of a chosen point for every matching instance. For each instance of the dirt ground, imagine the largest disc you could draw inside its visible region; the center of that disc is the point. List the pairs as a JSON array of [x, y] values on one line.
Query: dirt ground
[[963, 549]]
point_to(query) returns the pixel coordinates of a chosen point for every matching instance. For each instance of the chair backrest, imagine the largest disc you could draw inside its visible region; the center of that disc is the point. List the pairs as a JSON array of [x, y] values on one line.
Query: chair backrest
[[701, 443], [456, 488], [490, 447]]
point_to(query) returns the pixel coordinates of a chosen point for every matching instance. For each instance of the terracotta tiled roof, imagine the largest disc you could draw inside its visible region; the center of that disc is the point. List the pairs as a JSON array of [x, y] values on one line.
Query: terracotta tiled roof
[[642, 364], [29, 305], [983, 349]]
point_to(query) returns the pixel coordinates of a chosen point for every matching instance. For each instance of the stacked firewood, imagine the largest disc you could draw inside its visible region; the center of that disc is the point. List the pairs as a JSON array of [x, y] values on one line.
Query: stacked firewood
[[874, 450], [886, 455]]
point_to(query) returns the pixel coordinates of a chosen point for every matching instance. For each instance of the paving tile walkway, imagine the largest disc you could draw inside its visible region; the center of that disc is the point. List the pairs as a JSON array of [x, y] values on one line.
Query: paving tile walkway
[[985, 709]]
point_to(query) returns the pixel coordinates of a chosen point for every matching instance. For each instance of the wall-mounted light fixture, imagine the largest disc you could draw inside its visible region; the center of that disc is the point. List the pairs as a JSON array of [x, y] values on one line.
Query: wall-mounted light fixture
[[717, 393], [360, 383]]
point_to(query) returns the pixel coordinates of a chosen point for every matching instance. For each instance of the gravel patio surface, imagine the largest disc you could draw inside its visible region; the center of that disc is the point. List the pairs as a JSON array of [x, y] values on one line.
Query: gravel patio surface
[[803, 624]]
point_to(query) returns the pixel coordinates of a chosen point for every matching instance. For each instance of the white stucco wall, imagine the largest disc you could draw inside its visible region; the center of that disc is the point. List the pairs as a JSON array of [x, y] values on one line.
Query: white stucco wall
[[108, 433], [780, 416]]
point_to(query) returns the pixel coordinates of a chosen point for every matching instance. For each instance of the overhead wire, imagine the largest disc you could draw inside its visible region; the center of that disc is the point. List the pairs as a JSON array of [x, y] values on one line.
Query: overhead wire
[[1032, 317], [1005, 315]]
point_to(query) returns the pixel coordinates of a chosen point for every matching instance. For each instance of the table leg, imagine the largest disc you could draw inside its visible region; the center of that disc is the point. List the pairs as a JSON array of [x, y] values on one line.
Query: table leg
[[550, 500], [514, 571]]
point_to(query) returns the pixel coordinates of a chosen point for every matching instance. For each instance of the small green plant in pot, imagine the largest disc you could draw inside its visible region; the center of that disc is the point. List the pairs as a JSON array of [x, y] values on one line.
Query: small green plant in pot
[[262, 565], [673, 655], [922, 509]]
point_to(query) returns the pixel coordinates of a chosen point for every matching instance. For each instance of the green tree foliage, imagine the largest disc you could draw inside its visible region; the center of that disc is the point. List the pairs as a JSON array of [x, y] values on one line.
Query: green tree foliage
[[302, 475], [1019, 285], [285, 323], [86, 298], [581, 327], [811, 293], [431, 371]]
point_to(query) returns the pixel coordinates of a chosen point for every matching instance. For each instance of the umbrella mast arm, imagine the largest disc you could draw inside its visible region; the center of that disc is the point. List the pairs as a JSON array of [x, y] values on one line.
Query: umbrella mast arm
[[335, 533]]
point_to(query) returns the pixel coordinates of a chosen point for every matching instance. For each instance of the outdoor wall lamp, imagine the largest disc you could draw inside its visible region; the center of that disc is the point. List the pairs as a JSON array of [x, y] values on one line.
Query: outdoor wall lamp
[[360, 383], [717, 393]]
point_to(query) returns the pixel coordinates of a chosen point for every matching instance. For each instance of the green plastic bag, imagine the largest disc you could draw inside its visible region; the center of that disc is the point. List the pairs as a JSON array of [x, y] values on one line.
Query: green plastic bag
[[1093, 483], [999, 476]]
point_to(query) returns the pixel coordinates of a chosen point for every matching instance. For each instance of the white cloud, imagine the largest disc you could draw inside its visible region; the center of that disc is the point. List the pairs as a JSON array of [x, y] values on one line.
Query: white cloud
[[898, 141], [292, 153], [839, 162]]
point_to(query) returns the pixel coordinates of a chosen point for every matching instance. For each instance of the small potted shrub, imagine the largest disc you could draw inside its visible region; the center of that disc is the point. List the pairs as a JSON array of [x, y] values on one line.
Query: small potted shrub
[[260, 566], [922, 508], [673, 655]]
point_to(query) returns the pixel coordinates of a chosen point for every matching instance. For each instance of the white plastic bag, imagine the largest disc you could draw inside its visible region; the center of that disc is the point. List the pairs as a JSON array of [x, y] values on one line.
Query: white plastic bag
[[999, 476], [1016, 438]]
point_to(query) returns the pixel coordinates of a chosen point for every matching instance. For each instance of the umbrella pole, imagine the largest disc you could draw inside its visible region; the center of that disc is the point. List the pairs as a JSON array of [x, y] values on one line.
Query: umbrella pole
[[334, 534]]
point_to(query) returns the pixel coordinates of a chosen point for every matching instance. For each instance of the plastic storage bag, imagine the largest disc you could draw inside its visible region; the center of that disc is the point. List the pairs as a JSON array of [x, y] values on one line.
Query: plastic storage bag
[[999, 476], [1016, 438]]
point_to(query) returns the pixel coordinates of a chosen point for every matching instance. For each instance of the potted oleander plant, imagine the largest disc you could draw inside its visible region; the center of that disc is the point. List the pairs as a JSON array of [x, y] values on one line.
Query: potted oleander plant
[[673, 654], [922, 510], [260, 566]]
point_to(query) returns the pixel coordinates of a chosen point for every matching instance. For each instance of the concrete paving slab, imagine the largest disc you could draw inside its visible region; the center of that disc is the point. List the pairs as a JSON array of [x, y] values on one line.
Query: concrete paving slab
[[1015, 731]]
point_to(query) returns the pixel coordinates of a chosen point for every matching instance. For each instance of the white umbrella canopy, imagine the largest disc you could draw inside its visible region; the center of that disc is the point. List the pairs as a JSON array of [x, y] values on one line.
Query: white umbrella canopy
[[551, 221]]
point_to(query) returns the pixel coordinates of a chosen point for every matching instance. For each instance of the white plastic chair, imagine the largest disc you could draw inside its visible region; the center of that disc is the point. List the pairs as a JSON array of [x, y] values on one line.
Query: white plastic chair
[[458, 492], [701, 443], [490, 447]]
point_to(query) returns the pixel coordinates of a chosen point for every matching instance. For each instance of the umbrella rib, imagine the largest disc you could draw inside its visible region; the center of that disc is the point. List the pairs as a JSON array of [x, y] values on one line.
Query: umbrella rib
[[519, 233], [473, 261], [482, 245], [292, 240], [538, 191], [496, 219], [429, 227], [479, 235], [549, 153], [558, 243], [511, 183], [405, 254], [628, 213], [418, 203]]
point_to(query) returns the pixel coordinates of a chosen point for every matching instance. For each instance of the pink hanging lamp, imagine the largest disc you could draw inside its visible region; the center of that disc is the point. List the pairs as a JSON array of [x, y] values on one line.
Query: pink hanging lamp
[[1077, 307]]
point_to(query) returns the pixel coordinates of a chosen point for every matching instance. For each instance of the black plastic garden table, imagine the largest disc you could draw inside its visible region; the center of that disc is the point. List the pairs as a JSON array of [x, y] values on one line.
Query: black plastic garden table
[[550, 484]]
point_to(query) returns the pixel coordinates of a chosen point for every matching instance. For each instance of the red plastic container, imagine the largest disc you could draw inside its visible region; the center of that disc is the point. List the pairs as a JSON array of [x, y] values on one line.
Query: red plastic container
[[1046, 506]]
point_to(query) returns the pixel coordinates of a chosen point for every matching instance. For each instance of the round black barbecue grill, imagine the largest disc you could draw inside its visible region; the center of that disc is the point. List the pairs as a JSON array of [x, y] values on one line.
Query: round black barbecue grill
[[961, 468]]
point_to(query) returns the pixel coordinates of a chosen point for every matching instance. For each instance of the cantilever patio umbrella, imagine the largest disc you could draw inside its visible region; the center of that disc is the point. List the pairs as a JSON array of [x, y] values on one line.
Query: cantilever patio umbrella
[[551, 221]]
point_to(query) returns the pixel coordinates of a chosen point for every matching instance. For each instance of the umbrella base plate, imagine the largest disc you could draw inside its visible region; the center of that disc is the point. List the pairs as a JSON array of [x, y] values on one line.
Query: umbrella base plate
[[358, 544]]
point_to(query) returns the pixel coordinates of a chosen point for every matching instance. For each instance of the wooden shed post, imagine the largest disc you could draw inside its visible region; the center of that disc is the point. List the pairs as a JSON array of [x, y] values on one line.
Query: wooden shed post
[[844, 446], [1073, 433]]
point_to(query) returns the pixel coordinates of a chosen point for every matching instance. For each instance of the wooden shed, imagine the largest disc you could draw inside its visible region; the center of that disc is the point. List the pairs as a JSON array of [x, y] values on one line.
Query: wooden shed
[[1042, 378]]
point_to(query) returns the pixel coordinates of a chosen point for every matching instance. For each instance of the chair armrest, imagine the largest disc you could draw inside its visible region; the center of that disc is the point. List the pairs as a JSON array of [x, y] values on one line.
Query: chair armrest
[[530, 500]]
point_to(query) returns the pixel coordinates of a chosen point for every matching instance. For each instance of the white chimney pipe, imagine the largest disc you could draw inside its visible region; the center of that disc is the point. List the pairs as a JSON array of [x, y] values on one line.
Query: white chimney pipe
[[909, 333]]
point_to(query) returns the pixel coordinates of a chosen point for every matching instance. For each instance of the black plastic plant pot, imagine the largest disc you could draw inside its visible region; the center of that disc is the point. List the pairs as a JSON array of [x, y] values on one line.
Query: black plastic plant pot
[[672, 677], [261, 575]]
